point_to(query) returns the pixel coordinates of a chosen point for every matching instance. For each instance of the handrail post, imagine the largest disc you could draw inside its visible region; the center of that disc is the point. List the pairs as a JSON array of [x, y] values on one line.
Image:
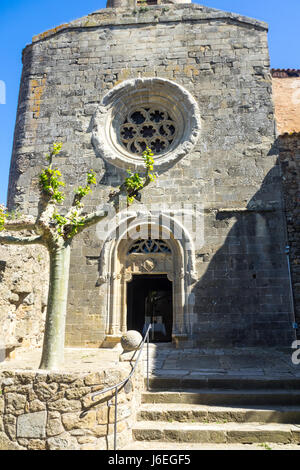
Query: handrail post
[[148, 360], [123, 382], [287, 252], [116, 418]]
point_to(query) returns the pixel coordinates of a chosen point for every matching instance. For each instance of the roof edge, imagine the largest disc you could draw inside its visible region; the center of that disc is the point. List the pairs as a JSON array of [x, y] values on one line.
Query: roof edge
[[285, 73], [151, 14]]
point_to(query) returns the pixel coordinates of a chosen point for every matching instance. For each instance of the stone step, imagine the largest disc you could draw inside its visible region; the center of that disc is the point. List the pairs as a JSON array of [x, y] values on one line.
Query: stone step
[[228, 433], [225, 383], [184, 446], [225, 397], [183, 412]]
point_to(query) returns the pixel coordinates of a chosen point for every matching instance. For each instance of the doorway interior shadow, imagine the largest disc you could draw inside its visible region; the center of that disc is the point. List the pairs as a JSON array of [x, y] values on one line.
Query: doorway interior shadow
[[149, 300]]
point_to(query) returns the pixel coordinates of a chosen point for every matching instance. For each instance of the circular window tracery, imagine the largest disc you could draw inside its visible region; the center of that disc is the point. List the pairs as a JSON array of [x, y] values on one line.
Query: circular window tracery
[[148, 127], [151, 112]]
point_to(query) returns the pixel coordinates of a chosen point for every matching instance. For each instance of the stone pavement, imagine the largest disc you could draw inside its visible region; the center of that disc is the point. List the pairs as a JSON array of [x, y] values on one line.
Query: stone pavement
[[76, 360], [239, 362], [167, 361]]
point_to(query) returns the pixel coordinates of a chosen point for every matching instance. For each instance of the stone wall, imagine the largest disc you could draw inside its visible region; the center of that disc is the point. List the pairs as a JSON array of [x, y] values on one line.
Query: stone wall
[[222, 60], [23, 295], [55, 411], [286, 92], [289, 145]]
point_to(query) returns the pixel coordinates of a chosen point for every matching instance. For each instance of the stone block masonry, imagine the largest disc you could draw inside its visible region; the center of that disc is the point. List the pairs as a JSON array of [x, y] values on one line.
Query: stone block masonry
[[241, 292], [289, 147], [55, 411], [23, 296]]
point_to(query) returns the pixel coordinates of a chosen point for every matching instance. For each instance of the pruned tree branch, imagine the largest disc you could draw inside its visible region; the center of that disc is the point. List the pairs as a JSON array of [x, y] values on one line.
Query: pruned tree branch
[[12, 240], [92, 218], [24, 223]]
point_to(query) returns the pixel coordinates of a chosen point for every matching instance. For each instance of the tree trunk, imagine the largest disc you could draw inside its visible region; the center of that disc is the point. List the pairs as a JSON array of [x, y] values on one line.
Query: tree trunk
[[54, 337]]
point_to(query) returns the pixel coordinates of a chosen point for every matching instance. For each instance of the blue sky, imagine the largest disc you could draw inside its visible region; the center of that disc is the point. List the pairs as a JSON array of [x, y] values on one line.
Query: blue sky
[[22, 19]]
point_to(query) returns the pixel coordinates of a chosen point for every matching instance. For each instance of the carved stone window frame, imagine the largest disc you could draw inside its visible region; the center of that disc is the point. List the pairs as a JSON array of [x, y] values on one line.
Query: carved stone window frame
[[133, 94]]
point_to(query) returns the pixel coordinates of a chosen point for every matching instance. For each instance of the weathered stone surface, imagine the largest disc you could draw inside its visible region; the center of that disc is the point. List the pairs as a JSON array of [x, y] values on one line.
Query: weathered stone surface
[[76, 421], [131, 341], [15, 403], [259, 436], [296, 435], [62, 442], [286, 93], [77, 393], [289, 147], [102, 414], [9, 422], [35, 405], [32, 444], [7, 444], [54, 425], [94, 379], [32, 425], [63, 405], [86, 440], [1, 405], [22, 304], [64, 423], [45, 391]]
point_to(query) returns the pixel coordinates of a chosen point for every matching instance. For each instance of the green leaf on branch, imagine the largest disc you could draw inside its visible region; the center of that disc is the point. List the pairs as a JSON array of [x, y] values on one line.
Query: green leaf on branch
[[135, 182], [50, 178], [67, 226], [91, 177], [81, 191], [3, 216]]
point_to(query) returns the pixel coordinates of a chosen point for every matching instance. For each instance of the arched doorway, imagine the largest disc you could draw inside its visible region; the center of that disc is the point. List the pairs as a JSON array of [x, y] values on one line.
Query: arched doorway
[[144, 246], [150, 296]]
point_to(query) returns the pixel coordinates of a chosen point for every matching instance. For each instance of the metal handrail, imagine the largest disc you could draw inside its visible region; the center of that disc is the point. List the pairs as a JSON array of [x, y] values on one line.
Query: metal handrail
[[124, 382]]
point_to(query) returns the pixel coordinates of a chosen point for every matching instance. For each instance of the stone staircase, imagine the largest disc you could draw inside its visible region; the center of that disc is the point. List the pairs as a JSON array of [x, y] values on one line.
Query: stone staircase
[[219, 412]]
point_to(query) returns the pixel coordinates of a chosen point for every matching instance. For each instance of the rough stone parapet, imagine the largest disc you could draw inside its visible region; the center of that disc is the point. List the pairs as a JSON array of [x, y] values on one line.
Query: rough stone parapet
[[55, 411]]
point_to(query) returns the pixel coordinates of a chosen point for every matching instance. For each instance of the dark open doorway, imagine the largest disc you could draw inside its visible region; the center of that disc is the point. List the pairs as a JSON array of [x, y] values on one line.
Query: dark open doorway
[[149, 300]]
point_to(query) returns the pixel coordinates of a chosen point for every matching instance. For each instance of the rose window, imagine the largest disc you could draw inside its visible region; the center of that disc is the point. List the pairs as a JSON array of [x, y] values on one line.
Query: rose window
[[148, 127], [145, 112]]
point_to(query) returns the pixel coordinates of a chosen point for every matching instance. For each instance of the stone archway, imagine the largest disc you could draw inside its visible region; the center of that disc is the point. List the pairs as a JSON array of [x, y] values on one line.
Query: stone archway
[[118, 268]]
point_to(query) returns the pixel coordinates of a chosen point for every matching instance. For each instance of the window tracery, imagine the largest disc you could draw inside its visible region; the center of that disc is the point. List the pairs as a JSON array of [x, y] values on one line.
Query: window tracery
[[149, 246], [148, 127]]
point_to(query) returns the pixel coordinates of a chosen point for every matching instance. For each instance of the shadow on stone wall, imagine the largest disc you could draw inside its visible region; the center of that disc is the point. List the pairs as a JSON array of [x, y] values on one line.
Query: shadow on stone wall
[[289, 153], [243, 297]]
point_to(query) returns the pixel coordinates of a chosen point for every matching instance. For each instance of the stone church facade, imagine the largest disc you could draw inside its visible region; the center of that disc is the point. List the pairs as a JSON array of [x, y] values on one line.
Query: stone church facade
[[206, 243]]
